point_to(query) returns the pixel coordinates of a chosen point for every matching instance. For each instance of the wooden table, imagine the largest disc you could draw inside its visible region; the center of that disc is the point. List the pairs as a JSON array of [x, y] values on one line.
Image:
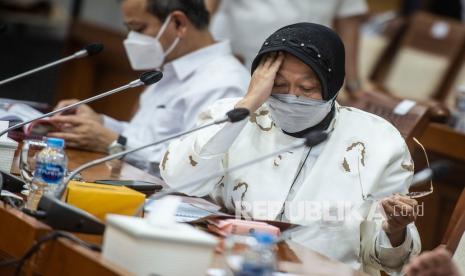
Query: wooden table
[[18, 232]]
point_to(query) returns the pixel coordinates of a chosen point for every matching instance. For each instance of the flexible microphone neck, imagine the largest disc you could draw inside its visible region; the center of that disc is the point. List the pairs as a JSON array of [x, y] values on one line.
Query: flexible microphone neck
[[89, 50], [232, 116], [146, 79], [436, 172], [311, 140]]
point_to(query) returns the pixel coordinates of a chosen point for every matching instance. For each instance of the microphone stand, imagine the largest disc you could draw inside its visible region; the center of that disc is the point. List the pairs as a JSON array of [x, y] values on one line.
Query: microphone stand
[[89, 50]]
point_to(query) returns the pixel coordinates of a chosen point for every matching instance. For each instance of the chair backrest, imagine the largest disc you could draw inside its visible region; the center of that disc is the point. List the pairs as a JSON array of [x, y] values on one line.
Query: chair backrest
[[459, 80], [426, 60], [456, 226], [409, 125]]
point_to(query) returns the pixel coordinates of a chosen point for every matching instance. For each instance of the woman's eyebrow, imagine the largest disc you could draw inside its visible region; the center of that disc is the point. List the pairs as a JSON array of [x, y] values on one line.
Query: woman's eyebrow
[[308, 78]]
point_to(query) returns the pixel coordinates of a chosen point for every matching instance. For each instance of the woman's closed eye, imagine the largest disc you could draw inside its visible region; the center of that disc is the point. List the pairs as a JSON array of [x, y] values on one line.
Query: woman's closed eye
[[307, 88], [280, 84]]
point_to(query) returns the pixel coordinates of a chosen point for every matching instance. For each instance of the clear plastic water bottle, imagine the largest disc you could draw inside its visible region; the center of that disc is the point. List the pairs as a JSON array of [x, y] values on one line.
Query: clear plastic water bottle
[[459, 114], [51, 164], [259, 259]]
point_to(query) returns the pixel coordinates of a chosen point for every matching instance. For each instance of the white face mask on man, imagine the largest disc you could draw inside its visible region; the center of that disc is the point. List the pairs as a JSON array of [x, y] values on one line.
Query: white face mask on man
[[145, 52], [293, 114]]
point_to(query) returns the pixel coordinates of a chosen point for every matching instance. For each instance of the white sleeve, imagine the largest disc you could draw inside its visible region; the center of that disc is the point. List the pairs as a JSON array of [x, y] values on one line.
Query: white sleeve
[[376, 252], [113, 124], [201, 153], [187, 110], [348, 8], [395, 257]]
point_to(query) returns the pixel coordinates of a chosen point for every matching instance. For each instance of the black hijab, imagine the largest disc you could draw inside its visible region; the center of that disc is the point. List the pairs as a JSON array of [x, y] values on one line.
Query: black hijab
[[321, 49]]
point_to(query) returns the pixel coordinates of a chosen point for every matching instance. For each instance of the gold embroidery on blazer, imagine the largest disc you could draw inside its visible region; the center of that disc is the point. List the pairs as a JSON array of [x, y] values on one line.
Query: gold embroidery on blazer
[[165, 159], [345, 165], [237, 187], [408, 167], [253, 119], [362, 153], [192, 161], [277, 160], [345, 162]]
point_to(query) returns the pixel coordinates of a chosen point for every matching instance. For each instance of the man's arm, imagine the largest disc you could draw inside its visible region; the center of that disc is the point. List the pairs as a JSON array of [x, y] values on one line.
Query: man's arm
[[348, 29]]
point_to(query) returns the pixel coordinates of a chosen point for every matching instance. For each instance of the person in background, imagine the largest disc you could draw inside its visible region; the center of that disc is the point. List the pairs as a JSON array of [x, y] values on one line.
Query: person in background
[[172, 35], [432, 263], [296, 78], [246, 23]]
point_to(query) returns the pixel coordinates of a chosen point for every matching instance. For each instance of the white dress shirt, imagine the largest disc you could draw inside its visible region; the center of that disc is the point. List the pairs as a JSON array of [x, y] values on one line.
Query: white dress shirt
[[331, 174], [248, 23], [190, 84]]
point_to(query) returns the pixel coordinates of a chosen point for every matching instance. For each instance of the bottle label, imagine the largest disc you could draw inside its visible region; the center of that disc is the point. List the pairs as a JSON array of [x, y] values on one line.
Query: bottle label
[[49, 173]]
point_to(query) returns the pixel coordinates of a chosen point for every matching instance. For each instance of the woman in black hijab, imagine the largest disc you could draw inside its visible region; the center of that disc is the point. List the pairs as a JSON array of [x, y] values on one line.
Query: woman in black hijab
[[295, 80]]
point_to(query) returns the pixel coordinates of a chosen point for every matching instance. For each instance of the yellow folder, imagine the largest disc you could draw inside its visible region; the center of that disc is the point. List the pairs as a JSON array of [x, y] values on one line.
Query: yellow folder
[[101, 199]]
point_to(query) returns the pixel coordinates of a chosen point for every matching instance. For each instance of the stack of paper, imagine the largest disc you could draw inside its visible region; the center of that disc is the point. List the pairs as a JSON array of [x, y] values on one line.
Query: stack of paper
[[7, 149]]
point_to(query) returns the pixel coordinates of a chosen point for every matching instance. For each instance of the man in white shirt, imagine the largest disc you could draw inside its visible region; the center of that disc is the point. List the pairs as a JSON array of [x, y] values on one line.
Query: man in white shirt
[[247, 23], [197, 71]]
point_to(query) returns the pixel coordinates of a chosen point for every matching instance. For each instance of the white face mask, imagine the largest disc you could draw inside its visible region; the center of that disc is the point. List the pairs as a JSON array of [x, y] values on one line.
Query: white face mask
[[146, 52], [293, 114]]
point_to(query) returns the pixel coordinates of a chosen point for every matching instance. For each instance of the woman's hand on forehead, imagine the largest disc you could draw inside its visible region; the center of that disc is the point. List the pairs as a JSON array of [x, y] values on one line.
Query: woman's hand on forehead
[[297, 78], [262, 82]]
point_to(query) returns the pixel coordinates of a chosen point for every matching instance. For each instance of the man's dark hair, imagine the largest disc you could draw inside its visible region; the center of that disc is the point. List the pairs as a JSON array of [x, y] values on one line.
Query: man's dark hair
[[195, 10]]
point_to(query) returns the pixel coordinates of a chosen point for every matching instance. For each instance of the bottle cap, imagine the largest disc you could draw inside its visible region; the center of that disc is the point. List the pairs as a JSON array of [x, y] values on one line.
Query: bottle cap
[[264, 238], [56, 142]]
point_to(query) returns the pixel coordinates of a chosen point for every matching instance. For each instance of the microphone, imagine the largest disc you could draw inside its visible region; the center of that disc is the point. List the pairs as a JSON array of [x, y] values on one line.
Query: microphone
[[312, 139], [60, 215], [437, 171], [89, 50], [146, 78]]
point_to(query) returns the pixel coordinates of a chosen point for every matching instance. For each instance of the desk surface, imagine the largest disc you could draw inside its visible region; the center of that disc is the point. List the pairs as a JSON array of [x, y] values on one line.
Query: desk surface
[[66, 258]]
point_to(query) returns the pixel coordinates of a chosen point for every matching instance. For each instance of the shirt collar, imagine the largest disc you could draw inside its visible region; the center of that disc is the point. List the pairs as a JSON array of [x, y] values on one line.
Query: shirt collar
[[187, 64]]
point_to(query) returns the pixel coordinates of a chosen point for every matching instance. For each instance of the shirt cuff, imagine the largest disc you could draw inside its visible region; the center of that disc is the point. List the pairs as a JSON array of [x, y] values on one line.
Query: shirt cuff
[[393, 257], [113, 124]]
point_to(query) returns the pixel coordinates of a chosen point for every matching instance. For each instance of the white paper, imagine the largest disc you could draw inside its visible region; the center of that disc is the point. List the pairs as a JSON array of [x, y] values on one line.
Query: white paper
[[3, 126], [163, 211]]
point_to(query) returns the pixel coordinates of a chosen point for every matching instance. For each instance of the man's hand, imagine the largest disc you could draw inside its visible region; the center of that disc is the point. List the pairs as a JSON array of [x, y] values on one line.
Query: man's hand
[[83, 133], [262, 82], [437, 262], [83, 110], [400, 212]]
